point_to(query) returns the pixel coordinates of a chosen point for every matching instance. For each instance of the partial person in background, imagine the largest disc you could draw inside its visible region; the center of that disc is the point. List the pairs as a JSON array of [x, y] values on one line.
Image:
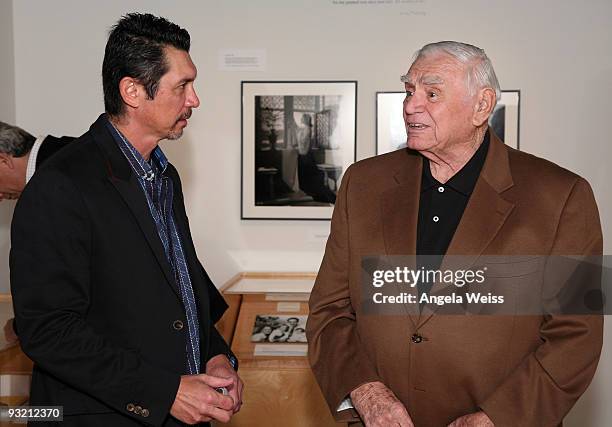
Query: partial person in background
[[21, 154]]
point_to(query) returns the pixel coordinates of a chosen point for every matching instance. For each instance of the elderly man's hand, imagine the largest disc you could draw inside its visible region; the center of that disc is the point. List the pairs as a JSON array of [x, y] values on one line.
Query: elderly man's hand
[[219, 366], [378, 406], [477, 419]]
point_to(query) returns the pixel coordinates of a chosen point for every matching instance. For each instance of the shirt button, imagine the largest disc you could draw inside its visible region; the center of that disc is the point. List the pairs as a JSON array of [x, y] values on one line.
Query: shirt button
[[416, 338], [177, 325], [441, 189], [435, 218]]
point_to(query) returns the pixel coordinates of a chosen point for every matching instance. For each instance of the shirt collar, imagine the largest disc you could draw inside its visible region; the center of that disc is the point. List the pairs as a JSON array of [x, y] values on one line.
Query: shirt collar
[[31, 168], [463, 181], [143, 169]]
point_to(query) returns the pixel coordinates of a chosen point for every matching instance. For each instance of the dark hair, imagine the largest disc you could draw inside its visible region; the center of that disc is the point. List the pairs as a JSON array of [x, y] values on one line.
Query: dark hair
[[135, 48], [14, 140]]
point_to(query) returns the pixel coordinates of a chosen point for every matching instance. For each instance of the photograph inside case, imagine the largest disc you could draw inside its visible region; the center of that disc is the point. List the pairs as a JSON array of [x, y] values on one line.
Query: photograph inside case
[[270, 328]]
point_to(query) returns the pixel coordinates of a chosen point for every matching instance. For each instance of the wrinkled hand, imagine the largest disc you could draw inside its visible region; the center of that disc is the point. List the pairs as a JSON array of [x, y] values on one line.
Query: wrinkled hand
[[378, 406], [197, 400], [477, 419], [219, 366]]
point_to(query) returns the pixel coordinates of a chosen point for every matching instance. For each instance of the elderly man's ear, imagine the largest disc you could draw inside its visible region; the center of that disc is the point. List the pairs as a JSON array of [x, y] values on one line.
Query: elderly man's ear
[[485, 102], [7, 161]]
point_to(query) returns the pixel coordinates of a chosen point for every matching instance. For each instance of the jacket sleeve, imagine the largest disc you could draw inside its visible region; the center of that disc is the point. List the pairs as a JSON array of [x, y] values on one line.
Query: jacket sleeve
[[217, 344], [549, 381], [50, 256], [338, 360]]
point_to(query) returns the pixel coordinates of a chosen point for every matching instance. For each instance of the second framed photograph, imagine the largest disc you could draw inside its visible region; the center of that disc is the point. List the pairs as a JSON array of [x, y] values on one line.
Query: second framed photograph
[[391, 131], [298, 139]]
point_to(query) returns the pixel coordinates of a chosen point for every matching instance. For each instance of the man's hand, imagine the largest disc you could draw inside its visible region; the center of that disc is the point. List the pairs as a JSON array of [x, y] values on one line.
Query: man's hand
[[219, 366], [378, 406], [477, 419], [197, 400]]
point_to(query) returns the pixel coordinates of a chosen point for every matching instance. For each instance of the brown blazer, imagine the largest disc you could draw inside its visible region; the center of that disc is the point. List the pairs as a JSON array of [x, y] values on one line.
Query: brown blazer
[[521, 370]]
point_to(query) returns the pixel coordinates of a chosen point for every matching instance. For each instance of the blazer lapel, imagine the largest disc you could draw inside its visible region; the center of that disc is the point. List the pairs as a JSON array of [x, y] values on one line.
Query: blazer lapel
[[484, 215], [400, 214], [200, 288], [400, 209], [125, 182]]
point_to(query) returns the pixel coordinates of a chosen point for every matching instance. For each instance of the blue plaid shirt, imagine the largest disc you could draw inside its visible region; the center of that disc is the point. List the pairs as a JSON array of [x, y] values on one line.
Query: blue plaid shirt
[[159, 193]]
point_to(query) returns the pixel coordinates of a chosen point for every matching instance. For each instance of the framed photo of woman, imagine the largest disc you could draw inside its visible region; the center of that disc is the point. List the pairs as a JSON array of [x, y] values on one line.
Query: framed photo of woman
[[298, 139]]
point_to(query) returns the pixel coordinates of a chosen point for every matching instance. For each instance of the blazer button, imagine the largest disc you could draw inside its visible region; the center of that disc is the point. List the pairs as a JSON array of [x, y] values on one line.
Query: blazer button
[[145, 412], [177, 325], [416, 338], [130, 407], [138, 410]]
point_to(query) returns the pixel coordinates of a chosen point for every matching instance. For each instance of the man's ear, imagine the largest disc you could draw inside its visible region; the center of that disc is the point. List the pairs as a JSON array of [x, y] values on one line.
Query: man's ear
[[484, 106], [7, 161], [131, 91]]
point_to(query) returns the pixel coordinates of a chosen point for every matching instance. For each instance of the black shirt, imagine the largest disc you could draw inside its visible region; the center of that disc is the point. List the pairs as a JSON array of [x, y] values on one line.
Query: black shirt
[[441, 207]]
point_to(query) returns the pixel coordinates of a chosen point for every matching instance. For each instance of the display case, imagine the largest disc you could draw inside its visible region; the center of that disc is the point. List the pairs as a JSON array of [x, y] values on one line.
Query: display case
[[280, 389]]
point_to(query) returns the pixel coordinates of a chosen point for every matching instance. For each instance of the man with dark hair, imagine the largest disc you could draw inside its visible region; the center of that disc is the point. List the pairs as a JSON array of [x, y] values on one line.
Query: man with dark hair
[[119, 314], [20, 155]]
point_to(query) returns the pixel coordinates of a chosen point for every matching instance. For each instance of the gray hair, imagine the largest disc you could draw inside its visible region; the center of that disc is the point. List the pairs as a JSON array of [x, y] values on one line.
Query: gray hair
[[14, 140], [480, 73]]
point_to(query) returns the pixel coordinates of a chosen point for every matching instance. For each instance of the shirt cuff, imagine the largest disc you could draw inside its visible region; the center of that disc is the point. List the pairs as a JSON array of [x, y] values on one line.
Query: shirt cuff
[[345, 404]]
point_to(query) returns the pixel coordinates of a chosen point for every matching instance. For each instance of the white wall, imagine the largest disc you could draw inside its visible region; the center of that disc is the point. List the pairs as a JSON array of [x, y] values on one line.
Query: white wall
[[557, 52], [7, 115]]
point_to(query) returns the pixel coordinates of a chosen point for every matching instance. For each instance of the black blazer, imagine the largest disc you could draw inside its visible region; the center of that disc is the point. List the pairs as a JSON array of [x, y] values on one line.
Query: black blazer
[[94, 295], [50, 146]]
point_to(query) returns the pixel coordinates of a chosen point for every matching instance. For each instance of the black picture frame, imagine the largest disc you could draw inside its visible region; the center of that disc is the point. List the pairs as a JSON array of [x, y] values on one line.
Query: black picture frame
[[297, 140]]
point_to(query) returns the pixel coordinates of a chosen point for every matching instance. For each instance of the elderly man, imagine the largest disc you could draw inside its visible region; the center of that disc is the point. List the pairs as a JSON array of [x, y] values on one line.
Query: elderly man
[[118, 313], [20, 155], [456, 190]]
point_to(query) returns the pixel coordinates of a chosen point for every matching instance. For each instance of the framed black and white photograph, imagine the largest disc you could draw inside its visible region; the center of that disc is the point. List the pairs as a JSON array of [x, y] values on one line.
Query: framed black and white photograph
[[270, 328], [391, 131], [298, 139]]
